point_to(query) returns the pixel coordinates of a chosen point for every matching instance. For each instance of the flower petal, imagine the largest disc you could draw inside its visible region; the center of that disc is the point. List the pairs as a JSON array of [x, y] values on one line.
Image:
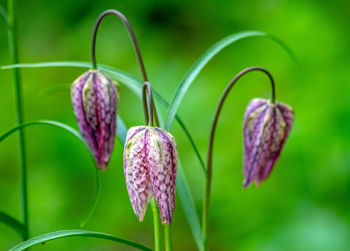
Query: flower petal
[[79, 111], [284, 121], [266, 129], [162, 167], [95, 100], [254, 121], [135, 171]]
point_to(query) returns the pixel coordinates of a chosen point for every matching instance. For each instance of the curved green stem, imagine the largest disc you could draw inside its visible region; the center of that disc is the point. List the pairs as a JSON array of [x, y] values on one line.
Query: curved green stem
[[12, 222], [71, 233], [168, 240], [132, 36], [149, 108], [222, 99], [156, 225], [13, 53]]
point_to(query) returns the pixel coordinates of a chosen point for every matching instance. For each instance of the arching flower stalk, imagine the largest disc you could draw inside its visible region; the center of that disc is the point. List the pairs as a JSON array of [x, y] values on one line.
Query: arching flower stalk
[[160, 159], [266, 127], [150, 165], [95, 99]]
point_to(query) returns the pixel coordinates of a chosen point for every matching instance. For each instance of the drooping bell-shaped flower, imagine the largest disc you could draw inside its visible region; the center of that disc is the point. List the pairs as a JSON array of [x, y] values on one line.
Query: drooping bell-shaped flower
[[150, 165], [266, 128], [95, 99]]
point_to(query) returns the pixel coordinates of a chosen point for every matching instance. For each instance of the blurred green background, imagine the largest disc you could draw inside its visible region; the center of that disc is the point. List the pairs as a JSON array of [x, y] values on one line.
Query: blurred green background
[[304, 205]]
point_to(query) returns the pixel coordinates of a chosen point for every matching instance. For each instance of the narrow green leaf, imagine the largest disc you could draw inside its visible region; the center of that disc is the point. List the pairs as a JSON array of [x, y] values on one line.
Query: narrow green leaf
[[13, 223], [189, 207], [204, 59], [131, 82], [122, 130], [53, 123], [71, 233], [121, 133], [81, 139]]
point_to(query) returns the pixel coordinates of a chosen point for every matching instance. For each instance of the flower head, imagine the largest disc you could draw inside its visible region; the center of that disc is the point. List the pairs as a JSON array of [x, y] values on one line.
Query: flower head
[[95, 99], [266, 128], [150, 164]]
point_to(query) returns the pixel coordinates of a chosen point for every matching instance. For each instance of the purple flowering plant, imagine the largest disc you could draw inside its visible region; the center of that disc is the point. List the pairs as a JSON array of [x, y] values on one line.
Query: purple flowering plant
[[151, 164]]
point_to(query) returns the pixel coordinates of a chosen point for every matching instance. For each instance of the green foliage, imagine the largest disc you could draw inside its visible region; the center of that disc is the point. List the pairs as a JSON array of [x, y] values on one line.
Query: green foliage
[[73, 233]]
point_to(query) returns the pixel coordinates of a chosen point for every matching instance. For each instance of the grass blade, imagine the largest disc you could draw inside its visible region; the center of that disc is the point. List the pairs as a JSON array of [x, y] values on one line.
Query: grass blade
[[189, 207], [131, 82], [71, 233], [122, 130], [13, 223], [80, 138], [204, 59], [52, 123]]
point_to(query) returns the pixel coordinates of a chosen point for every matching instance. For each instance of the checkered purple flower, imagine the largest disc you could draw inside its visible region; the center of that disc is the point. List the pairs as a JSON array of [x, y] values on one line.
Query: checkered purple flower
[[266, 128], [95, 99], [150, 164]]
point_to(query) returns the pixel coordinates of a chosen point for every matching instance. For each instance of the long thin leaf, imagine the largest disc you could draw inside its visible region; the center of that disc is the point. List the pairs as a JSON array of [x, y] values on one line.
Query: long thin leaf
[[122, 130], [135, 85], [121, 133], [189, 207], [12, 222], [81, 139], [204, 59], [53, 123], [71, 233], [131, 82]]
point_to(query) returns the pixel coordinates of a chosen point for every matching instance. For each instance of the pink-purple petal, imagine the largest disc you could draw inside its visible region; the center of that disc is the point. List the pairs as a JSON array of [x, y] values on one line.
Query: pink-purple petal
[[95, 101], [266, 129], [136, 171], [162, 166]]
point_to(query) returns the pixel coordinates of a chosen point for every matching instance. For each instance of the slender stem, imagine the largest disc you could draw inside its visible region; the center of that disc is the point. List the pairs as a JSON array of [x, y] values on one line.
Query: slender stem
[[206, 202], [147, 106], [132, 36], [156, 224], [13, 54], [149, 109], [155, 115], [168, 241]]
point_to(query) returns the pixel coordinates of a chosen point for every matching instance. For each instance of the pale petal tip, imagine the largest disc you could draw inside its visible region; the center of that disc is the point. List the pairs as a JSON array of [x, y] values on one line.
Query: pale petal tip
[[246, 183], [102, 165]]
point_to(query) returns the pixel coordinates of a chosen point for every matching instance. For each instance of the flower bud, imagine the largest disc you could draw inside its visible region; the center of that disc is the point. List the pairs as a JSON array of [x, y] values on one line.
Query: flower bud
[[266, 128], [95, 99], [150, 165]]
